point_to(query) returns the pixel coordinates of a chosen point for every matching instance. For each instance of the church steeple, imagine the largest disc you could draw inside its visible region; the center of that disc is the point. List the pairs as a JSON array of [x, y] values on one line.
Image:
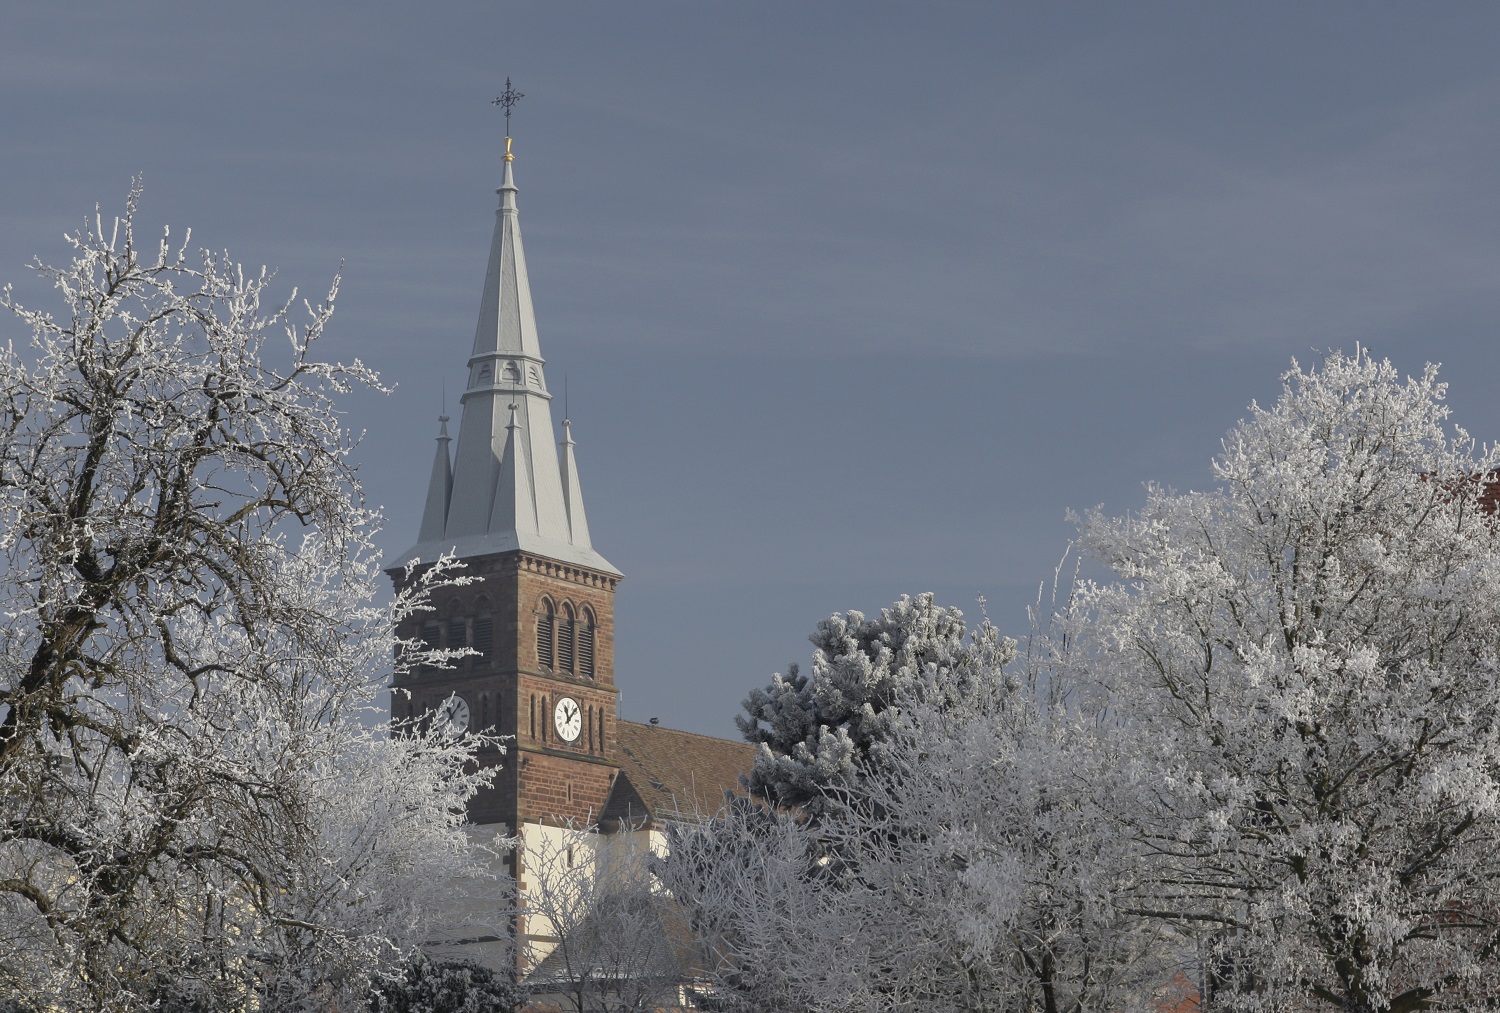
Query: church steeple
[[506, 490], [534, 620]]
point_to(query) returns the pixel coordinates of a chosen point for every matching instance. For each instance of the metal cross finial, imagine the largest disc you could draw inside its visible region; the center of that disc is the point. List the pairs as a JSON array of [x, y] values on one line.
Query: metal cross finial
[[508, 98]]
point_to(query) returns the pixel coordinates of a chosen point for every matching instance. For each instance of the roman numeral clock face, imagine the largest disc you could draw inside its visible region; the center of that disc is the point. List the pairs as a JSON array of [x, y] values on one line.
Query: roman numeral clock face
[[567, 717], [452, 717]]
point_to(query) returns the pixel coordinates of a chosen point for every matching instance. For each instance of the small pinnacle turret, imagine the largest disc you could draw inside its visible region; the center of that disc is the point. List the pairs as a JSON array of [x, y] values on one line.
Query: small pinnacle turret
[[439, 487], [508, 486], [578, 525]]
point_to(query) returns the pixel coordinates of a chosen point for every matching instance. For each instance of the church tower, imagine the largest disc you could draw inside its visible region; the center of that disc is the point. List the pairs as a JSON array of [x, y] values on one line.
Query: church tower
[[507, 502]]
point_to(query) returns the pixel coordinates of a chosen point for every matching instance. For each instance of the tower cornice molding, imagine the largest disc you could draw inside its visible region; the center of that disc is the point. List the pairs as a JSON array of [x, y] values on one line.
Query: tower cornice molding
[[570, 572], [521, 561]]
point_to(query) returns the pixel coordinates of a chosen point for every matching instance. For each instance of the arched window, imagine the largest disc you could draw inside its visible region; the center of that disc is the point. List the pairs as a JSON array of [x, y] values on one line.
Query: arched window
[[586, 644], [591, 728], [565, 640], [458, 632], [546, 621], [484, 636], [533, 715], [546, 716]]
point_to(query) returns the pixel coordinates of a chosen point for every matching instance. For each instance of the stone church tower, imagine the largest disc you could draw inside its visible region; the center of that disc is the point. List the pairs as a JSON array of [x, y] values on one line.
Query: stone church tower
[[507, 502], [540, 619]]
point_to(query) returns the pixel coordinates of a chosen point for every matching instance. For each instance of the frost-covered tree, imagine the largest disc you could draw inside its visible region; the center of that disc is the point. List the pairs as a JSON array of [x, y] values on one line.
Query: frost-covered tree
[[976, 867], [750, 883], [1309, 655], [817, 731], [447, 986], [601, 936], [988, 872], [198, 805]]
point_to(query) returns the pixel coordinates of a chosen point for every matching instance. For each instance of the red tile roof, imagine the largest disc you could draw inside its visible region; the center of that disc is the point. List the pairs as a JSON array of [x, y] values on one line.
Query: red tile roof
[[668, 775], [1177, 996]]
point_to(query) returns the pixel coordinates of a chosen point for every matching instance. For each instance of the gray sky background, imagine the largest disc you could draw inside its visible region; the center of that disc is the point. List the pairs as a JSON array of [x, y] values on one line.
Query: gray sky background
[[853, 299]]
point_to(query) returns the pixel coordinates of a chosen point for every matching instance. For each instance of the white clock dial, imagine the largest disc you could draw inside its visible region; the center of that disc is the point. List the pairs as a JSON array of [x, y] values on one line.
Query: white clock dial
[[452, 717], [567, 716]]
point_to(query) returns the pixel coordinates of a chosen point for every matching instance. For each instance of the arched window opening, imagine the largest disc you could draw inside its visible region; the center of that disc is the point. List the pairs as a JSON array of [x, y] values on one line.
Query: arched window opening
[[591, 729], [546, 716], [484, 635], [458, 630], [586, 644], [533, 715], [431, 632], [565, 640], [545, 624]]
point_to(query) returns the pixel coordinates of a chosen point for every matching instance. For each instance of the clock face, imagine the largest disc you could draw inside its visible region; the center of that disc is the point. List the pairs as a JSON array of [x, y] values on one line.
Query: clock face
[[452, 717], [568, 717]]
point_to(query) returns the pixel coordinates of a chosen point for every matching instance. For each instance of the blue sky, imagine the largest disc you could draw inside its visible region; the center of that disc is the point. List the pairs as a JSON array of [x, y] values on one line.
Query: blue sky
[[853, 299]]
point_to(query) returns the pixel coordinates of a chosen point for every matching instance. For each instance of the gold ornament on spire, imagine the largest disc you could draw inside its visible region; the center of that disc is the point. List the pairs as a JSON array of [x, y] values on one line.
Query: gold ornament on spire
[[507, 100]]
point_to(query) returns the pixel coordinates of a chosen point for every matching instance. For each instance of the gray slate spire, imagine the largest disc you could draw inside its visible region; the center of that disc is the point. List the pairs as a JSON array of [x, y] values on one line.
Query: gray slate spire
[[506, 489]]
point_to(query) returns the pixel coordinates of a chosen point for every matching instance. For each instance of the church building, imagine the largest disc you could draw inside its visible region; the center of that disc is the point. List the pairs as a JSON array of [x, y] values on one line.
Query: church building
[[540, 619]]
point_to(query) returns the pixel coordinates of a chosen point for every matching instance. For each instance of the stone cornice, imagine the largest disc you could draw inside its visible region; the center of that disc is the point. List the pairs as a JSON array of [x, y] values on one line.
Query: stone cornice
[[522, 561], [571, 572]]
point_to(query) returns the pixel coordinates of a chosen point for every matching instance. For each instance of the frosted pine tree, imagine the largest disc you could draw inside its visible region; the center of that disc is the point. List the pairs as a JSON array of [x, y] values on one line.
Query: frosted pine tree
[[815, 730], [963, 856]]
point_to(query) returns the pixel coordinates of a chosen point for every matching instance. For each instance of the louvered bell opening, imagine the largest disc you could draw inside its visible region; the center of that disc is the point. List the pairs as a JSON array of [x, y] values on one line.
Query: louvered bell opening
[[565, 646], [457, 633], [544, 628], [432, 631], [484, 635], [586, 650]]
